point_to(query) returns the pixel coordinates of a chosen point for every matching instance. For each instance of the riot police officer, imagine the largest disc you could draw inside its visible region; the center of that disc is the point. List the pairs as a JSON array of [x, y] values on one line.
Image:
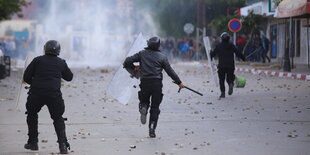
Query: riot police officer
[[152, 62], [44, 75], [226, 63]]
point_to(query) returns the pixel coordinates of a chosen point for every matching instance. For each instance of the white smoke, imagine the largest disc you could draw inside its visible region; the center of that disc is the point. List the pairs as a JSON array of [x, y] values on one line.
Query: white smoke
[[93, 33]]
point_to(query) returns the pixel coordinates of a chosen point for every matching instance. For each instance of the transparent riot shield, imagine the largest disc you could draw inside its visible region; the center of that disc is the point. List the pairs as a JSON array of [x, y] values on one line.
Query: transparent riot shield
[[123, 84], [211, 64], [21, 97]]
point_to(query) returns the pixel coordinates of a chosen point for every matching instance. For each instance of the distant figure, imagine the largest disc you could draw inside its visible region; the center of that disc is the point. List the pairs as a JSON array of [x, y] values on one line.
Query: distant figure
[[258, 47], [265, 44], [226, 64], [152, 63], [10, 47], [241, 43], [44, 75]]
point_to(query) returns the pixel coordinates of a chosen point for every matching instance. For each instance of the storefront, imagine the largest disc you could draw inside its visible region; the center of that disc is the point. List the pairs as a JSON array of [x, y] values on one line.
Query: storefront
[[295, 28]]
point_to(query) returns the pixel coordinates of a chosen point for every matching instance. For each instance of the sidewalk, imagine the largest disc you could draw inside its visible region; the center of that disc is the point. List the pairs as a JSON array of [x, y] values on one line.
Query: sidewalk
[[299, 72]]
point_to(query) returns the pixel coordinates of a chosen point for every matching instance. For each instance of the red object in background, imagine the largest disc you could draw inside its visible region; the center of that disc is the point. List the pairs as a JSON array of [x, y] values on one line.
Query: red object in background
[[239, 11], [241, 41]]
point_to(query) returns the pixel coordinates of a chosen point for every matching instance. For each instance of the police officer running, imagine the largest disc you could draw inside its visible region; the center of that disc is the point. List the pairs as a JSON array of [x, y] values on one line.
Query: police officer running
[[226, 63], [152, 62], [44, 75]]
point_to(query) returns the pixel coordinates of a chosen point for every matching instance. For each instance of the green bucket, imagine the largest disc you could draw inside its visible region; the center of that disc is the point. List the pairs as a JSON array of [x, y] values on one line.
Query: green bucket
[[240, 82]]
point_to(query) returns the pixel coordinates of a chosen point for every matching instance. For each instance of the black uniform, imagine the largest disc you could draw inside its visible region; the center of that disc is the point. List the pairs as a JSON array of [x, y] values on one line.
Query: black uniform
[[44, 75], [152, 62], [226, 64]]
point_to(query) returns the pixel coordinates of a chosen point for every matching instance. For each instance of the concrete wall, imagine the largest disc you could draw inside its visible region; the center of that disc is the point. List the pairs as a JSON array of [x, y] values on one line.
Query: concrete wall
[[261, 8], [303, 59]]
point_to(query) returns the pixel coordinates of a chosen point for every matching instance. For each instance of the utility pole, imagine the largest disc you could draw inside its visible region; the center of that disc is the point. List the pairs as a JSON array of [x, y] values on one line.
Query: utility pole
[[201, 23], [287, 63]]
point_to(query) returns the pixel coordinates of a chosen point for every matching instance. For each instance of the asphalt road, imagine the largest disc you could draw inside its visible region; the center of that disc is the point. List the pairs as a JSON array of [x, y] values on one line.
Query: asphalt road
[[270, 116]]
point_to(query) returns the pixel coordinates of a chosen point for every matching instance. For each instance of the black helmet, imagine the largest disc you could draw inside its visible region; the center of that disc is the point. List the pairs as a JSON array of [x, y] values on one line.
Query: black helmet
[[153, 43], [52, 47], [225, 37]]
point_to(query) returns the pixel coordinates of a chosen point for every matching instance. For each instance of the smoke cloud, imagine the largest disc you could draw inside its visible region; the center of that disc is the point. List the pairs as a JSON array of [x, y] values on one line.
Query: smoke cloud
[[92, 33]]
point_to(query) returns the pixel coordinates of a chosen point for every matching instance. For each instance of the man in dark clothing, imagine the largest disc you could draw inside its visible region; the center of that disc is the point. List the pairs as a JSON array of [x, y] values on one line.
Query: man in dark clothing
[[258, 47], [226, 64], [265, 44], [44, 75], [152, 62]]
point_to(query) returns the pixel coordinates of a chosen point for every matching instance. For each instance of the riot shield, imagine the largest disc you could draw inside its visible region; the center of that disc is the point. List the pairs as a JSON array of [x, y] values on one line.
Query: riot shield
[[22, 92], [211, 64], [123, 84]]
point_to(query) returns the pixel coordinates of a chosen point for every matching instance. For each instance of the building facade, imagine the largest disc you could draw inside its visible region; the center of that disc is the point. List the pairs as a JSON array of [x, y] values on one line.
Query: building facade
[[278, 31]]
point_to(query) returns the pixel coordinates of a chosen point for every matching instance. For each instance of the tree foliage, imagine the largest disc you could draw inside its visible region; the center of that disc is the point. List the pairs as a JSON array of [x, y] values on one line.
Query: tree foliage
[[172, 15], [10, 7], [251, 22]]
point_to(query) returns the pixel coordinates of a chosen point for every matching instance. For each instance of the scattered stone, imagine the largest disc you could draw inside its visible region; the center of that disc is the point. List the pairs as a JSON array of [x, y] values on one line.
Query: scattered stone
[[104, 71], [196, 112], [195, 148], [292, 136], [44, 141]]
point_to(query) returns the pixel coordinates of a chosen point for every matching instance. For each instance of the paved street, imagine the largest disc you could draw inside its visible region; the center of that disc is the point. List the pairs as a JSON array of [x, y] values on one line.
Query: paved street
[[270, 116]]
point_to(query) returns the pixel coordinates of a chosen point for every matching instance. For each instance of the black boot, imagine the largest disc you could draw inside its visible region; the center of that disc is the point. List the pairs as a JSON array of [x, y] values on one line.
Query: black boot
[[31, 146], [222, 95], [63, 148], [231, 88], [152, 127], [143, 112]]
